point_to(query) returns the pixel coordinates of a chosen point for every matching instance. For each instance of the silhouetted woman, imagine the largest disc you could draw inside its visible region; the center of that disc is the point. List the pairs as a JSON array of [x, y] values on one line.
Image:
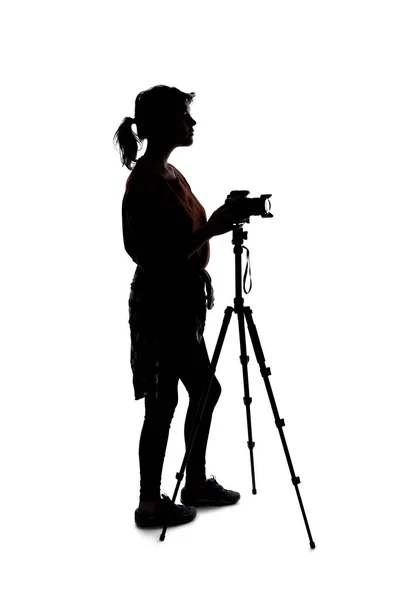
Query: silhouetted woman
[[166, 233]]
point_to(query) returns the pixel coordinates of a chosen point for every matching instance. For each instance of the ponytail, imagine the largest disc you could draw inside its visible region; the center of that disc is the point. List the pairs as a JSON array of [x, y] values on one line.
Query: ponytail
[[128, 142]]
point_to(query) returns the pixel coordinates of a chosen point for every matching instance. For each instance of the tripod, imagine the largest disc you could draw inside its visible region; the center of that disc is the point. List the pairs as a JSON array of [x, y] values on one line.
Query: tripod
[[243, 312]]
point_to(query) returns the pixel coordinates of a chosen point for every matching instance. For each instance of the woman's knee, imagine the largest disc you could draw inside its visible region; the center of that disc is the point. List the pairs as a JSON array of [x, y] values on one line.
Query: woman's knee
[[216, 386], [215, 390]]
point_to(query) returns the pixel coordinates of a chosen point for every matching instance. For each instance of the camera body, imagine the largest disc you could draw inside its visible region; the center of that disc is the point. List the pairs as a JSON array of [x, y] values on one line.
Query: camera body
[[247, 207]]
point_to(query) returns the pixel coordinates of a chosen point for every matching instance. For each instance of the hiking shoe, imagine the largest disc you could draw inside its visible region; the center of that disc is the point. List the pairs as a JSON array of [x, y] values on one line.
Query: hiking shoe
[[213, 494], [179, 514]]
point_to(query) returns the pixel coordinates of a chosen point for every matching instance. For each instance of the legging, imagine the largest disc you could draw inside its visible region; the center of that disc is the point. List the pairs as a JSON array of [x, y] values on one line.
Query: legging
[[191, 368]]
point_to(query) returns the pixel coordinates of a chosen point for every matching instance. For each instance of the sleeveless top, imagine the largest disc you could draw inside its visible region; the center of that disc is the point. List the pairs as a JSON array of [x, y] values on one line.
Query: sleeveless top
[[158, 217]]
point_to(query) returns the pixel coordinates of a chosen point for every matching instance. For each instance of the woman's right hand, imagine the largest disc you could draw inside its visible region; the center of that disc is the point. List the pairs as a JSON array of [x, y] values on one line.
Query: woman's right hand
[[222, 219]]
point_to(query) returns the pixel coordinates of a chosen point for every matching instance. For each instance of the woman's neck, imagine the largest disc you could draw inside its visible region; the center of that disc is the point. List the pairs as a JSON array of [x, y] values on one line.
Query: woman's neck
[[164, 169]]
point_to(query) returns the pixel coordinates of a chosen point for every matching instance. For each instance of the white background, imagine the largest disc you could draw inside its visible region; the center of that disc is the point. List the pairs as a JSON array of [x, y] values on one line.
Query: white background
[[297, 99]]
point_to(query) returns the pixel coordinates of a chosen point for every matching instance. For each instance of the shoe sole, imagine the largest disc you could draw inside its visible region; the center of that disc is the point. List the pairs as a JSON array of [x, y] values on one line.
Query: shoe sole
[[157, 521], [208, 502]]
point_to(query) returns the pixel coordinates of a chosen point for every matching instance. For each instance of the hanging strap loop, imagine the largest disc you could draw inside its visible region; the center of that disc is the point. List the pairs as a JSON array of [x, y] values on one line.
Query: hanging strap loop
[[247, 272]]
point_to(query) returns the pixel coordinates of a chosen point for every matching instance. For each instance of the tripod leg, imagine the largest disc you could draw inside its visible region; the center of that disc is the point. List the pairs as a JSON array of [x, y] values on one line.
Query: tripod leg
[[280, 423], [244, 359], [200, 408]]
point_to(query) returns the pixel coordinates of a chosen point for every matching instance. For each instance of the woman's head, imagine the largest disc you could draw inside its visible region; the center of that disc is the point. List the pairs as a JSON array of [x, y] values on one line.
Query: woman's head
[[162, 116]]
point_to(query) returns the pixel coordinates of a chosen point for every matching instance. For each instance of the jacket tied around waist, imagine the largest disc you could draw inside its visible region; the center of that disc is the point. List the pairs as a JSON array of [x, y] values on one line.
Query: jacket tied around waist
[[167, 308]]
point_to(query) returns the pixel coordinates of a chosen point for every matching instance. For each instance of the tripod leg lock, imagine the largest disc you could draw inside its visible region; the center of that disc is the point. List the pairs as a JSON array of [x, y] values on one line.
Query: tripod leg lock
[[179, 476], [280, 423], [247, 401], [245, 358], [296, 480], [251, 444]]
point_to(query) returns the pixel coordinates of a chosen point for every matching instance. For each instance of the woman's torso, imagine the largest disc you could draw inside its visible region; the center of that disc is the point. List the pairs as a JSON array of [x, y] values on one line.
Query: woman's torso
[[181, 211]]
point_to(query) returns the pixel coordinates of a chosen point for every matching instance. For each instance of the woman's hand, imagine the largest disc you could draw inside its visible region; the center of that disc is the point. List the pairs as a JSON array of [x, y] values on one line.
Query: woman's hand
[[223, 219]]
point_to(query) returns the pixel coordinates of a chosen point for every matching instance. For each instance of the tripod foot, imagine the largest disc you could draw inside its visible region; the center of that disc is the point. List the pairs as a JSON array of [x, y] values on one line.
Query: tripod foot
[[254, 491], [312, 545]]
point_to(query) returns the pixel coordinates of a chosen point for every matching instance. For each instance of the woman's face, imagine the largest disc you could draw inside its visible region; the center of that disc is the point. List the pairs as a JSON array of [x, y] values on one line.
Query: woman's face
[[185, 124], [179, 128]]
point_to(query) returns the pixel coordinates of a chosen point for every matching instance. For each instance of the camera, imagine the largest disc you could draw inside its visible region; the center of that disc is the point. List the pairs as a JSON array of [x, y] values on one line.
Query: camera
[[246, 207]]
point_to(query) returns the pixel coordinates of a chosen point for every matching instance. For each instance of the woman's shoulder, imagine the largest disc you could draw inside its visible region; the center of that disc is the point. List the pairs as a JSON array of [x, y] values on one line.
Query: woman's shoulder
[[148, 191], [142, 179]]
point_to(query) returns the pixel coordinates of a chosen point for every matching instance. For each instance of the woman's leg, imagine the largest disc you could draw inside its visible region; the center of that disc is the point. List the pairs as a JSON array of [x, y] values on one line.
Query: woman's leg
[[155, 432], [193, 372]]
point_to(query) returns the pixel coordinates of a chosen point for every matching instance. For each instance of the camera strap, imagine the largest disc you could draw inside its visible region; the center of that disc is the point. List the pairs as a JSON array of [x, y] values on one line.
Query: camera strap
[[247, 271]]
